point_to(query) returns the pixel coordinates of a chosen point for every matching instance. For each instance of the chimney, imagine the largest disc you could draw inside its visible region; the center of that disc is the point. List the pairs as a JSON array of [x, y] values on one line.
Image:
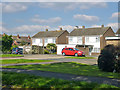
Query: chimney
[[18, 36], [28, 36], [102, 26], [46, 29], [61, 28], [83, 27], [3, 34], [77, 27]]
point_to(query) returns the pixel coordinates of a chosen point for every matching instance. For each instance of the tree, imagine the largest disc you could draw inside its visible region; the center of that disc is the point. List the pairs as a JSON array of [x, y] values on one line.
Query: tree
[[6, 43], [23, 43], [51, 47]]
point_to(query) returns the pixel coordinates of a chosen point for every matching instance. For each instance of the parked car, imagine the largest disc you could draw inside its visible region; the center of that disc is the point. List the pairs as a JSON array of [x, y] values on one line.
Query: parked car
[[72, 51], [17, 51]]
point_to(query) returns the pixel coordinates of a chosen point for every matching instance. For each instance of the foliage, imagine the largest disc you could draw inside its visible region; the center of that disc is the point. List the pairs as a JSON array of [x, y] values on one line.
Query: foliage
[[14, 46], [23, 43], [106, 60], [46, 51], [17, 80], [51, 47], [15, 61], [6, 43], [70, 68]]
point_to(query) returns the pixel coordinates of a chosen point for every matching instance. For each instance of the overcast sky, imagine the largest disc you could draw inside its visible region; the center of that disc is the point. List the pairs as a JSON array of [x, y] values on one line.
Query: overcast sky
[[30, 18]]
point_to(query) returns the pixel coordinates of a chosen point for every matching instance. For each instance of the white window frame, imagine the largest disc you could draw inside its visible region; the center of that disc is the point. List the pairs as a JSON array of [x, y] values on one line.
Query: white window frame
[[46, 40], [54, 40], [79, 39], [70, 39]]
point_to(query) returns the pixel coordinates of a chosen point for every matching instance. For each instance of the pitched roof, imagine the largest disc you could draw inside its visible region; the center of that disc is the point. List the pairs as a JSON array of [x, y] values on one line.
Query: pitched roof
[[21, 38], [89, 31], [118, 32], [49, 33]]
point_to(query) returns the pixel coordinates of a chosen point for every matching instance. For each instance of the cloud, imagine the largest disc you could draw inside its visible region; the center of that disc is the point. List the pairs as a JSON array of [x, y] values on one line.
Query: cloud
[[13, 7], [96, 26], [115, 15], [47, 21], [86, 18]]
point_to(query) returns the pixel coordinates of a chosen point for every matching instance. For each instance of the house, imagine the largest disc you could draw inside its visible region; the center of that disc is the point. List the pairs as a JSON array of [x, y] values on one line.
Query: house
[[114, 40], [42, 38], [89, 40], [21, 40]]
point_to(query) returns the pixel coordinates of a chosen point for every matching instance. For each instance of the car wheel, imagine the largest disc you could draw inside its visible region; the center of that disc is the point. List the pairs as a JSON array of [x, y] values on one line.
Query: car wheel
[[76, 54], [63, 54]]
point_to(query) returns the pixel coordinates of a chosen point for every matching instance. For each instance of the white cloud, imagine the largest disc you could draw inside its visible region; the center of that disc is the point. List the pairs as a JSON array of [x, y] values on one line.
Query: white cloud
[[86, 18], [96, 26], [13, 7], [47, 21], [115, 15]]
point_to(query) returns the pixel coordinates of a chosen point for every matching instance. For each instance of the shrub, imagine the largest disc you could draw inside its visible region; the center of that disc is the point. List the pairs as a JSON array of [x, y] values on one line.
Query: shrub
[[46, 51], [107, 58]]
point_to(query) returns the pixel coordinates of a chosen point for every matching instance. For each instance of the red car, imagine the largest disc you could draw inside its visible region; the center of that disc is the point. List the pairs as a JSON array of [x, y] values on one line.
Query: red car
[[72, 51]]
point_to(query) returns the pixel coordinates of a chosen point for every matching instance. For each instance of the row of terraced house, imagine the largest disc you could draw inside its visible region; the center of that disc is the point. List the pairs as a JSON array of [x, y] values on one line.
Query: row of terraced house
[[89, 40]]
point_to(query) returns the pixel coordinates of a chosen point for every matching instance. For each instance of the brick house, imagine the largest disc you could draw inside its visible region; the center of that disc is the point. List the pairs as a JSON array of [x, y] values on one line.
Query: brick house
[[42, 38], [90, 40], [17, 40], [114, 40]]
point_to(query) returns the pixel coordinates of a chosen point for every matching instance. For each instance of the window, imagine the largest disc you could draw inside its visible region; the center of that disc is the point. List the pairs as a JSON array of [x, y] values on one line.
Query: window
[[70, 39], [40, 40], [54, 40], [96, 50], [79, 39], [33, 40], [87, 39], [46, 40]]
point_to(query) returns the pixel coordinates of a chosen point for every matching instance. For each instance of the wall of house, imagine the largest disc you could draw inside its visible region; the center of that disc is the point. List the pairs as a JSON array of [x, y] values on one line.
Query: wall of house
[[113, 42], [62, 39], [75, 40], [109, 32]]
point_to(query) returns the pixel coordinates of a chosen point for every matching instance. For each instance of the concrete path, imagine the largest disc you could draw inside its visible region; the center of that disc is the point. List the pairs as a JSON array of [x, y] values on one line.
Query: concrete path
[[100, 80]]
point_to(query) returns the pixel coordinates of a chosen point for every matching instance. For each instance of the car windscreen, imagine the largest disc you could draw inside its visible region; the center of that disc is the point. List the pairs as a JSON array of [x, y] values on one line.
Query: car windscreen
[[76, 49]]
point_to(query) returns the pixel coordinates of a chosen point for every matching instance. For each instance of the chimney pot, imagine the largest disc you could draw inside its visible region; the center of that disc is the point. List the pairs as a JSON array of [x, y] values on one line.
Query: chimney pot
[[102, 25], [83, 26], [77, 27], [28, 36], [61, 28], [46, 29], [3, 34], [18, 36]]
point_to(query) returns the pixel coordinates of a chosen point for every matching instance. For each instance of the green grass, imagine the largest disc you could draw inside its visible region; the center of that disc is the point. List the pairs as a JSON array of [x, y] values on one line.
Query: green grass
[[70, 68], [16, 61], [11, 55], [82, 57], [15, 80]]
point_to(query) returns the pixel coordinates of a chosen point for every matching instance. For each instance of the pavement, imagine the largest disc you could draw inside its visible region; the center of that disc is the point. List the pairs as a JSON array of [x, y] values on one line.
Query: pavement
[[100, 80]]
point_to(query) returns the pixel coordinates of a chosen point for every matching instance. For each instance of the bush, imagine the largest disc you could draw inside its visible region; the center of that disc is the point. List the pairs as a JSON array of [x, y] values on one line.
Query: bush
[[46, 51], [107, 59]]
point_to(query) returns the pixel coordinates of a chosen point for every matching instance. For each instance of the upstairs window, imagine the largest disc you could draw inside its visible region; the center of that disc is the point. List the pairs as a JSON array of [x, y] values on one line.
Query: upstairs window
[[70, 39], [54, 40], [79, 39], [97, 39], [40, 40], [87, 39], [46, 40]]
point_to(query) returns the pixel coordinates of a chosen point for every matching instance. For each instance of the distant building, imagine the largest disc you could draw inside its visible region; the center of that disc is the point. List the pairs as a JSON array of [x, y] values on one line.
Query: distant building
[[42, 38], [18, 40]]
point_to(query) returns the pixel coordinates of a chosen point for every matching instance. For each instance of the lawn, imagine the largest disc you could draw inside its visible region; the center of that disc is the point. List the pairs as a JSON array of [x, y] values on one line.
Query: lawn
[[71, 68], [11, 55], [82, 57], [16, 61], [15, 80]]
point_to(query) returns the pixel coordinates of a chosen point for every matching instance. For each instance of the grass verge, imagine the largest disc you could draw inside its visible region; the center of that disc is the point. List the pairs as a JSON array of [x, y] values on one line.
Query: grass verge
[[70, 68], [11, 55], [15, 80], [82, 57], [16, 61]]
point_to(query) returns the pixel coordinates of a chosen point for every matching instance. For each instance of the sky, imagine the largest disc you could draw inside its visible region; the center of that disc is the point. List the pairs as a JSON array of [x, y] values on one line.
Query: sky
[[28, 18]]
